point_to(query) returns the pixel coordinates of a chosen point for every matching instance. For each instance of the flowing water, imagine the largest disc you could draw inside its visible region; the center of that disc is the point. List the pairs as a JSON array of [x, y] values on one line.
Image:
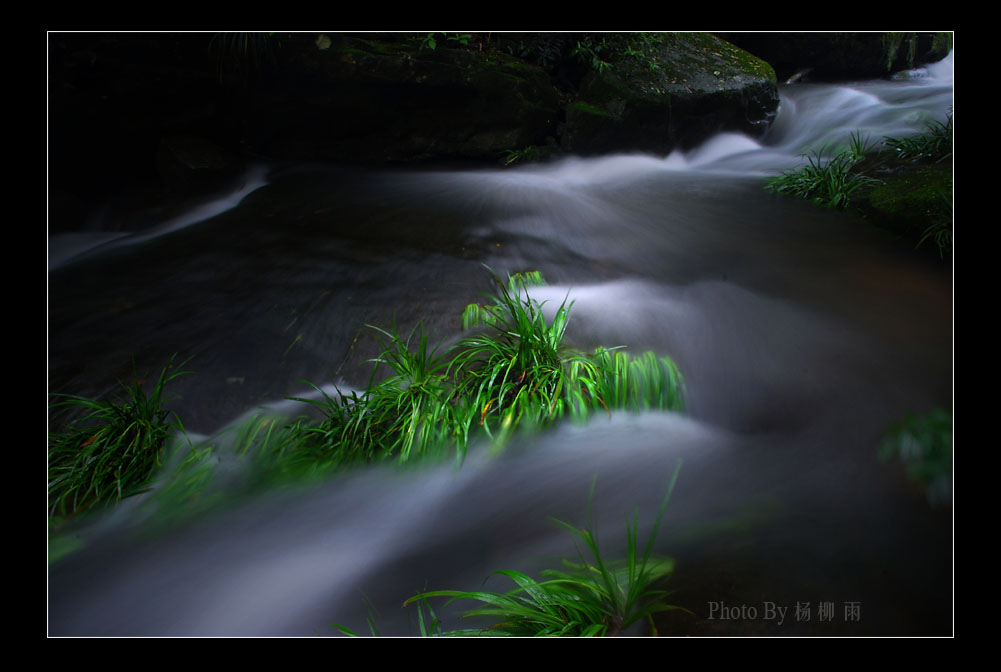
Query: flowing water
[[803, 336]]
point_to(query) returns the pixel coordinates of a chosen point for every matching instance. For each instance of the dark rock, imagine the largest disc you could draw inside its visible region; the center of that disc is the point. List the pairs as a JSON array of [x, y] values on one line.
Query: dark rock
[[171, 116], [365, 101], [670, 90], [112, 98], [909, 198], [190, 164], [843, 56]]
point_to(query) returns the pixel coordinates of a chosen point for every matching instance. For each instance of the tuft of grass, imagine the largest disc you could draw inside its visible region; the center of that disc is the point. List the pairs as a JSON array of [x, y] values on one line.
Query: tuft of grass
[[827, 181], [933, 145], [411, 406], [589, 597], [524, 155], [403, 416], [515, 369], [109, 449], [939, 232], [520, 370], [859, 145], [647, 382], [515, 372]]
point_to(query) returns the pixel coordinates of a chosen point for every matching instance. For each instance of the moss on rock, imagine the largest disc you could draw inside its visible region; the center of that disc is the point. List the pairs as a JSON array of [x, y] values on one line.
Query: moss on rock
[[362, 100], [665, 90], [910, 201]]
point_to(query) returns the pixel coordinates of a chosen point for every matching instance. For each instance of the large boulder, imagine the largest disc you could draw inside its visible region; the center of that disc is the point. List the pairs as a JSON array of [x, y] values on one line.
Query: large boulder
[[351, 99], [669, 90], [175, 116]]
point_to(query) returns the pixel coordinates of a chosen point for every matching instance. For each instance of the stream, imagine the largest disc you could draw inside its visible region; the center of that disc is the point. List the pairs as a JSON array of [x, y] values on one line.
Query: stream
[[803, 335]]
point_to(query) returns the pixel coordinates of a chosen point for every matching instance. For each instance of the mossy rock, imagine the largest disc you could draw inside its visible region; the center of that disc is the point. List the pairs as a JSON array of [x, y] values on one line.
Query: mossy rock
[[910, 200], [369, 101], [666, 90]]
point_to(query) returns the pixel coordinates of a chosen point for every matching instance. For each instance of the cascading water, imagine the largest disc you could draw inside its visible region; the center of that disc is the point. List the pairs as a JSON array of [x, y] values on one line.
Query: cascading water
[[803, 336]]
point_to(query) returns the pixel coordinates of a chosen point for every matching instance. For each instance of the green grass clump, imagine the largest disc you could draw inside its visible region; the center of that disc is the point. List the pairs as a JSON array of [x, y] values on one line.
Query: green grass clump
[[934, 145], [588, 597], [519, 368], [940, 234], [647, 382], [515, 372], [405, 415], [833, 180], [524, 155], [109, 449], [828, 181]]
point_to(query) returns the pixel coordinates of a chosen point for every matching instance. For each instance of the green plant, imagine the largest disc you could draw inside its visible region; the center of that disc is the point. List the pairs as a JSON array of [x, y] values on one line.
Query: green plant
[[407, 413], [520, 371], [530, 153], [416, 392], [924, 445], [935, 144], [109, 449], [643, 48], [589, 597], [858, 145], [826, 181], [515, 372], [939, 231], [647, 382], [545, 50], [516, 368], [598, 51], [592, 52], [430, 42]]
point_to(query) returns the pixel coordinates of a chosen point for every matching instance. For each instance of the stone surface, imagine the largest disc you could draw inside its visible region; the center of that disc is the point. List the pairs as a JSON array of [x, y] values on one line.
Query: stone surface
[[673, 91], [843, 56], [365, 101], [174, 115]]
